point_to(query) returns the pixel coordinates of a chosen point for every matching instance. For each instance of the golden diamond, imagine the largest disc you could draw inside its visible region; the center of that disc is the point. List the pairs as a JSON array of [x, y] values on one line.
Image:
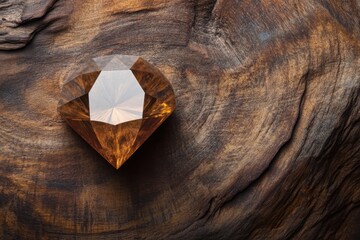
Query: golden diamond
[[117, 105]]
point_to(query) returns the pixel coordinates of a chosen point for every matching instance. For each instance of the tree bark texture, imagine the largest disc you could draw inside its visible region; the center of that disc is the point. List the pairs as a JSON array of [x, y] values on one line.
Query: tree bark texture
[[264, 143]]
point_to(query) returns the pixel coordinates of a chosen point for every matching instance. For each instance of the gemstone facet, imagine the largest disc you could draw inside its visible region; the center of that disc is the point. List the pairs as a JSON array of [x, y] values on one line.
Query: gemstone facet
[[116, 104]]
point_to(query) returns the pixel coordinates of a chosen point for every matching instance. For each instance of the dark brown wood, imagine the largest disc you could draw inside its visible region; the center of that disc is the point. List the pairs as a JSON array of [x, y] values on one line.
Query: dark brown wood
[[264, 143]]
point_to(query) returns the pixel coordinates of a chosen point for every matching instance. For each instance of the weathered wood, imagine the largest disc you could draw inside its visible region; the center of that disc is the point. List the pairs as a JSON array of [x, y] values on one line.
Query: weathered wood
[[20, 20], [264, 143]]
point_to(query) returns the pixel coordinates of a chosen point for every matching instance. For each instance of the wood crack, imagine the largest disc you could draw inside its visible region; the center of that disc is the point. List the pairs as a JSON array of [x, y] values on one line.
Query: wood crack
[[282, 148]]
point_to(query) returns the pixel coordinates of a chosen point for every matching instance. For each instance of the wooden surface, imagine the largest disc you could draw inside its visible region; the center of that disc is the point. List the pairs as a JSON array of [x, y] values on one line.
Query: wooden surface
[[264, 143]]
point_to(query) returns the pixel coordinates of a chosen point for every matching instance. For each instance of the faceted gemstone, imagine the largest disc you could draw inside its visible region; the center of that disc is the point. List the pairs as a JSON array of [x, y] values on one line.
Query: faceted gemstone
[[116, 104]]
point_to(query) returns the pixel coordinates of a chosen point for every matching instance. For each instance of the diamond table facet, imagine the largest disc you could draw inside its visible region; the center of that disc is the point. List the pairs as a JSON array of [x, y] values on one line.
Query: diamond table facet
[[116, 97], [117, 105]]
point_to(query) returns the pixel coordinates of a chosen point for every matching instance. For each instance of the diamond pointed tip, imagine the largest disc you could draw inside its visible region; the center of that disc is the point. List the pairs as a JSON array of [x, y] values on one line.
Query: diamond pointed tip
[[116, 109]]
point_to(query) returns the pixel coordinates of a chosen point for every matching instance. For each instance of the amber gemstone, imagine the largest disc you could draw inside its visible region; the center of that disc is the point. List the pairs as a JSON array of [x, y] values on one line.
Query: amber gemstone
[[117, 104]]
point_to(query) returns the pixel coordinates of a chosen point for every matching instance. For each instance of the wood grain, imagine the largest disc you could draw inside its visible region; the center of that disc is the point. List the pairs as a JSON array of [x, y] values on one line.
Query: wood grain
[[264, 143]]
